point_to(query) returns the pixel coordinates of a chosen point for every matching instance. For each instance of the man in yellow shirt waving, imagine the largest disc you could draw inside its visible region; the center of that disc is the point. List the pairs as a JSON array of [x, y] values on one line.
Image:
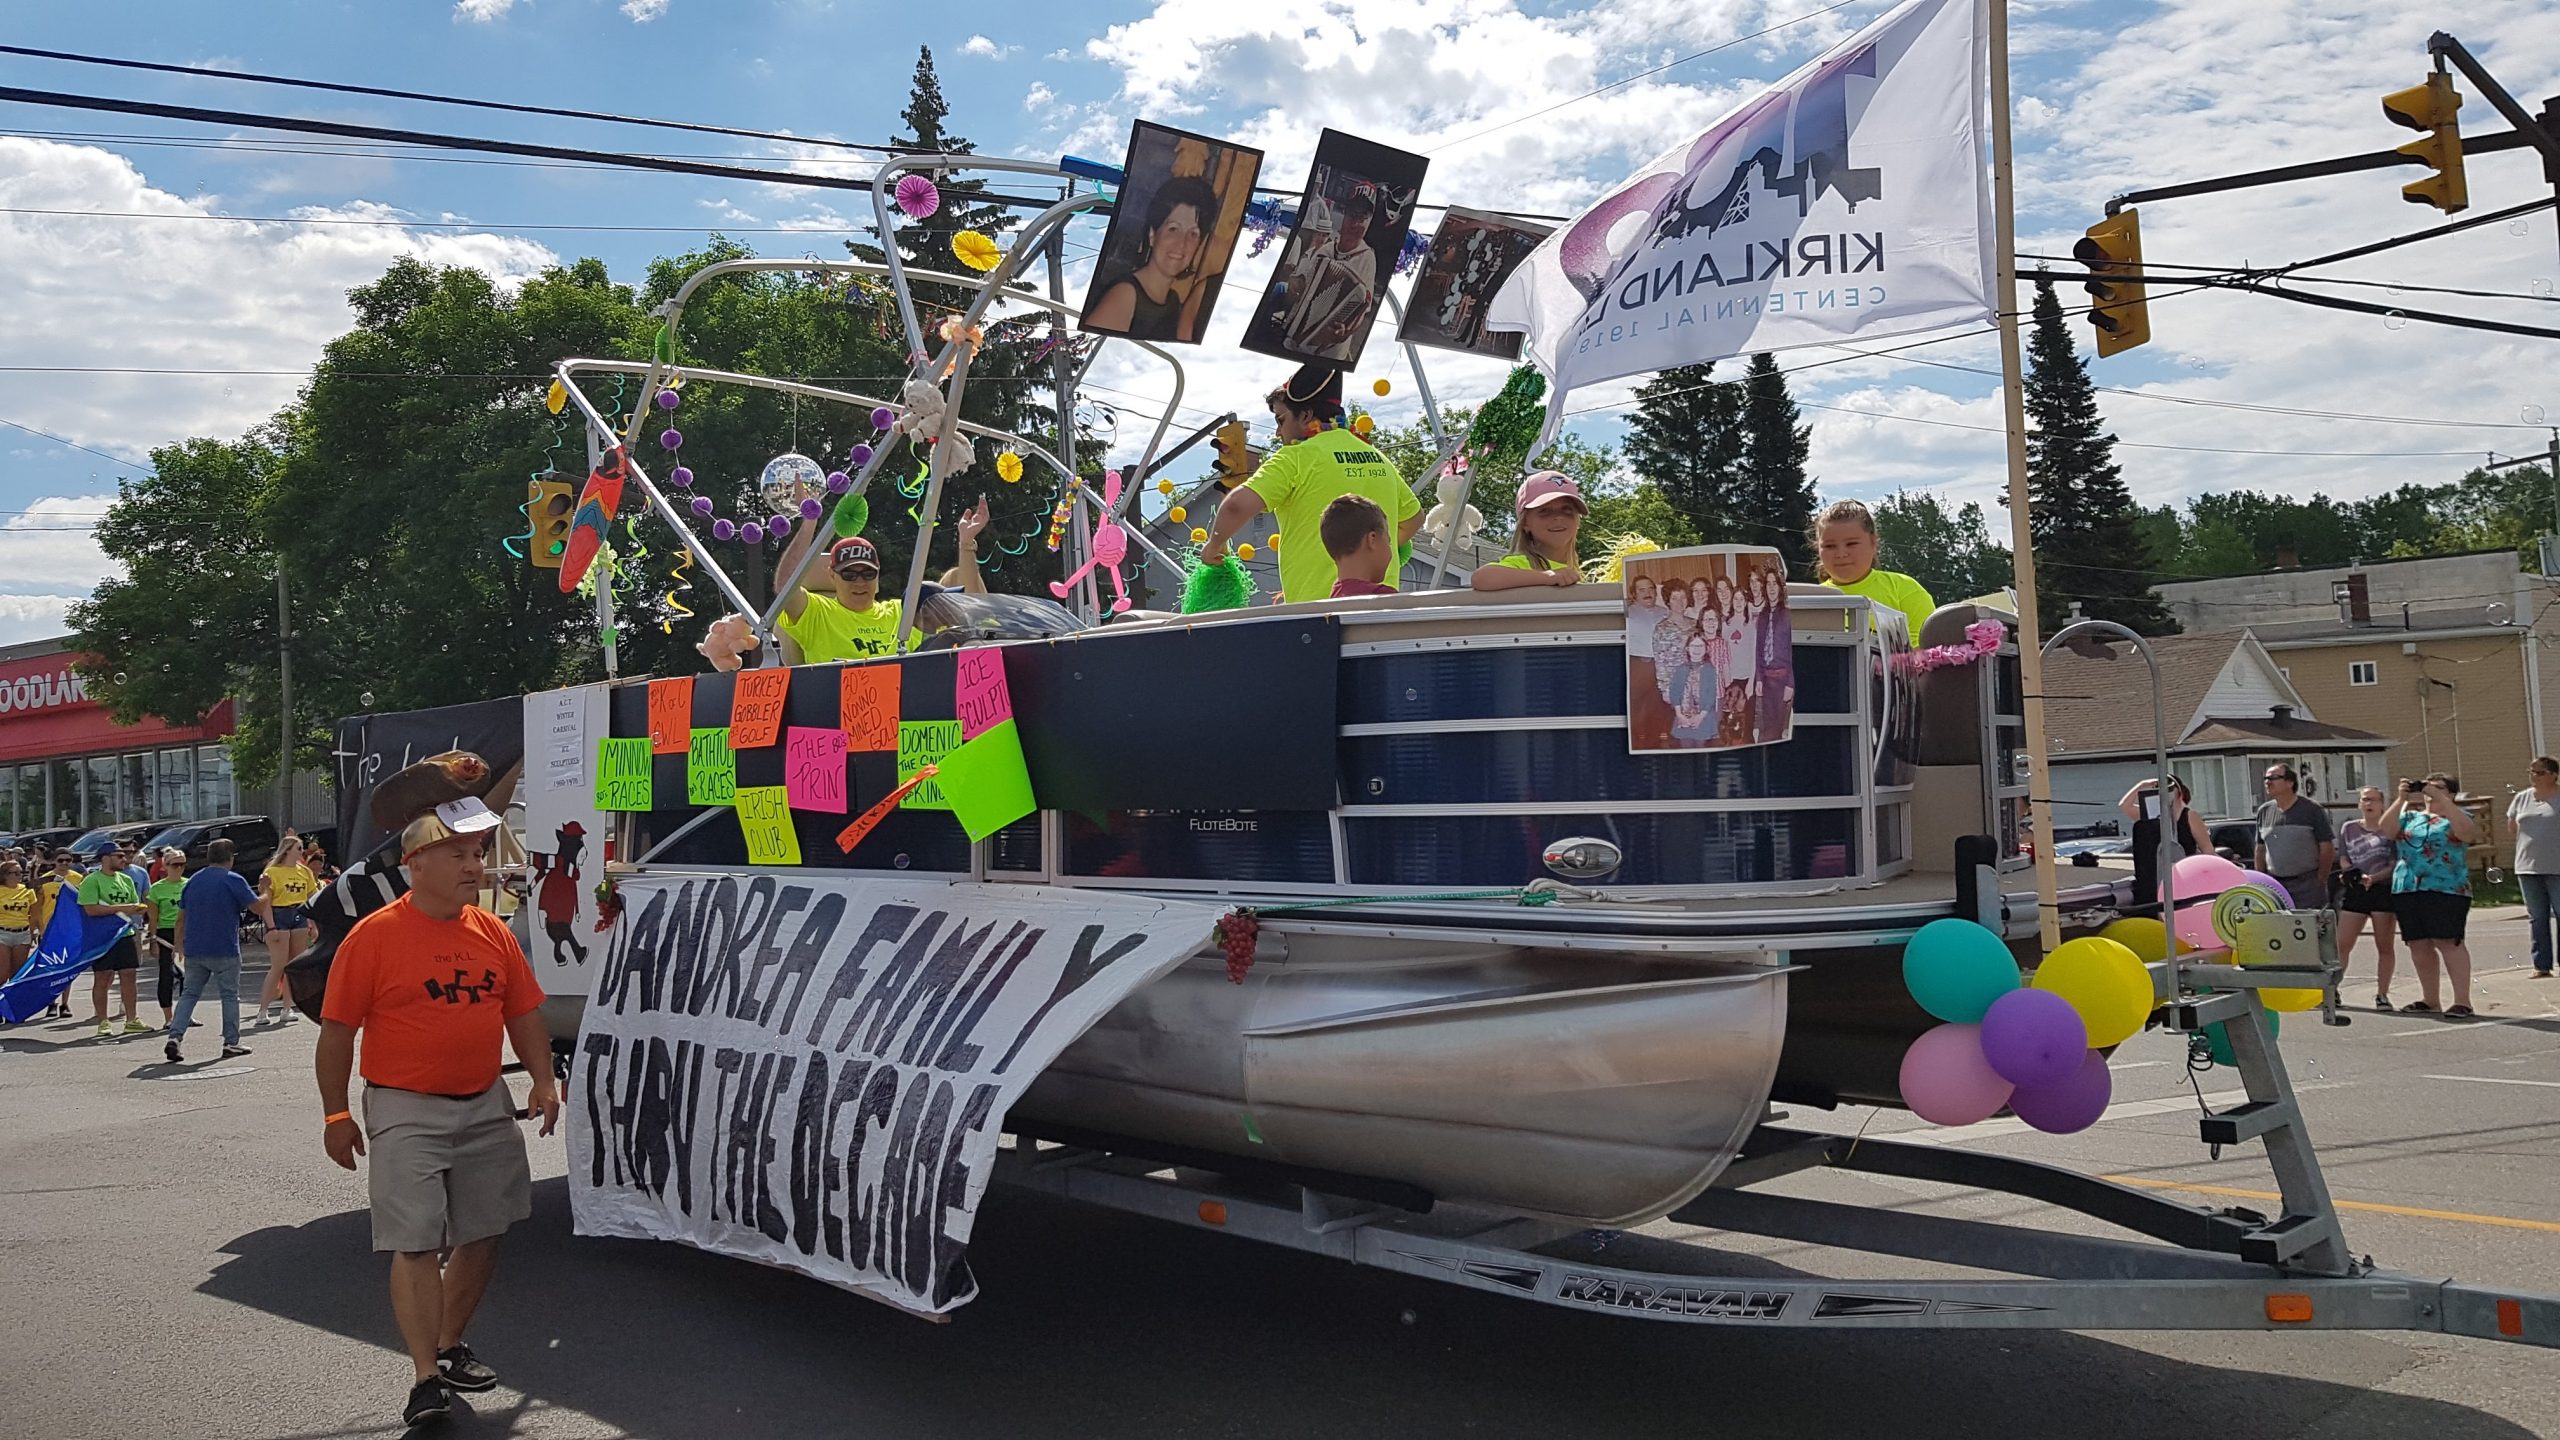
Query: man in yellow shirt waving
[[1317, 463]]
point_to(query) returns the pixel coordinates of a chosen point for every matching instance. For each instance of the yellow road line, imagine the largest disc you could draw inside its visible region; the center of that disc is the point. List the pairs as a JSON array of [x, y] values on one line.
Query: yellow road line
[[2508, 1222]]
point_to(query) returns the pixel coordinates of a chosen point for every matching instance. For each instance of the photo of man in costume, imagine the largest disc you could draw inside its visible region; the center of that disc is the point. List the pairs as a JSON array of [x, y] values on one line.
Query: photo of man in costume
[[1173, 230], [557, 894], [1470, 257], [1332, 277]]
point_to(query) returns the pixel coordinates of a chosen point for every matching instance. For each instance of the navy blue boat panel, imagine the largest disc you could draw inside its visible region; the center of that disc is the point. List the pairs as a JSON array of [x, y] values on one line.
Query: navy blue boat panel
[[1717, 848], [1279, 847], [1537, 680], [1573, 767]]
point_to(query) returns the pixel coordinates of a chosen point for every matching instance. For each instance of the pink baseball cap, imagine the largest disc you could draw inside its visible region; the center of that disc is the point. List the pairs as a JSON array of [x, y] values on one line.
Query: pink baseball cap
[[1546, 487]]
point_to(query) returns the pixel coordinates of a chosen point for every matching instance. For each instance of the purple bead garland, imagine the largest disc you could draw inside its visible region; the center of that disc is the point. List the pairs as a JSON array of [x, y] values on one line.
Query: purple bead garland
[[666, 399], [723, 530], [838, 482], [883, 417], [752, 532], [858, 456], [810, 509], [671, 439], [701, 505], [681, 478]]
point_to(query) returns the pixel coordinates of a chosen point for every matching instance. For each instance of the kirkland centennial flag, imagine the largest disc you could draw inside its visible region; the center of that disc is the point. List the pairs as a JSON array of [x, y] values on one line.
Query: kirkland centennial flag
[[1851, 200]]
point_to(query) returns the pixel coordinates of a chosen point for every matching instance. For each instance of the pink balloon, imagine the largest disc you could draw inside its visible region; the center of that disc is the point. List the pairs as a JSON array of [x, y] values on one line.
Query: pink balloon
[[2195, 926], [2033, 1037], [1946, 1081], [2069, 1105], [2198, 876]]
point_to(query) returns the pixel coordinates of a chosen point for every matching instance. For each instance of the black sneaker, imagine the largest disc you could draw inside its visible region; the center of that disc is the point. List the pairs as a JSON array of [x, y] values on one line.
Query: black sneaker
[[171, 1050], [234, 1051], [463, 1371], [428, 1400]]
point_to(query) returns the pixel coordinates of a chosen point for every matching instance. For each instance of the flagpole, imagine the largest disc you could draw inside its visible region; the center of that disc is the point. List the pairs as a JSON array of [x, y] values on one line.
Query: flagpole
[[2013, 405]]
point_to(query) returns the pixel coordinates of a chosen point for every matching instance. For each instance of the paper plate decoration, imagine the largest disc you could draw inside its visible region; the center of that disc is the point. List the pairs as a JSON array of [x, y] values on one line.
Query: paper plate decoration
[[916, 197], [1008, 466], [789, 478], [975, 250]]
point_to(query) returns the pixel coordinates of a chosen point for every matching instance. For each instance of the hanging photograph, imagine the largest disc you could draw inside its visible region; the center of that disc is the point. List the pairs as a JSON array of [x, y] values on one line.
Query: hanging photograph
[[1710, 650], [1334, 272], [1469, 258], [1174, 227]]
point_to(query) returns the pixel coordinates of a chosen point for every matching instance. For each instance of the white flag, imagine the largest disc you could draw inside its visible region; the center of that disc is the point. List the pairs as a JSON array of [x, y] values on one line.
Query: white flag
[[1852, 199]]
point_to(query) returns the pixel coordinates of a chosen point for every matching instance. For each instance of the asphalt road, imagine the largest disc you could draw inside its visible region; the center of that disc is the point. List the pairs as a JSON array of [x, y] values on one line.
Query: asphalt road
[[178, 1258]]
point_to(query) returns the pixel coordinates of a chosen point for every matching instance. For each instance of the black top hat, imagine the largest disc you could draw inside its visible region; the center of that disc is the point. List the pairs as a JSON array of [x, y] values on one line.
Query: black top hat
[[1317, 387]]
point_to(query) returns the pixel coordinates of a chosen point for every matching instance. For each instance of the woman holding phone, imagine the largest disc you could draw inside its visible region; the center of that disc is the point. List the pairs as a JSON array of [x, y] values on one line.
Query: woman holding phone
[[2431, 888]]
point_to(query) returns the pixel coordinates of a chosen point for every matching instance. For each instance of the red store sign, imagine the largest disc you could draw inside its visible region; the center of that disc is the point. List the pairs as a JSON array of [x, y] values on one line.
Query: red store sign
[[46, 712]]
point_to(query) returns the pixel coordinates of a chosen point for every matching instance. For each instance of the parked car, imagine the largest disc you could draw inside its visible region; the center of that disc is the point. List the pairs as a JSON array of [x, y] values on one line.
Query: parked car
[[253, 838], [45, 842], [2234, 840], [88, 846]]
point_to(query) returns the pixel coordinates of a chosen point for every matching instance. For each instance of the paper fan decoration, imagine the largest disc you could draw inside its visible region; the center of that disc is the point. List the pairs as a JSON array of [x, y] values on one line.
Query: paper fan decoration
[[975, 250], [1008, 466], [917, 197]]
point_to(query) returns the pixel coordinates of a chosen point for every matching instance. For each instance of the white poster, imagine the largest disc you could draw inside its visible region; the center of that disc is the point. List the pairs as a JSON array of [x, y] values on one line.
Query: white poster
[[1853, 199], [560, 924], [812, 1071]]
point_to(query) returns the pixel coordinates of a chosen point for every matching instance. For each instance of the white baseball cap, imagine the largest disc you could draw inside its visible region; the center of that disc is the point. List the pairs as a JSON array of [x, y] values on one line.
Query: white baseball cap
[[453, 818]]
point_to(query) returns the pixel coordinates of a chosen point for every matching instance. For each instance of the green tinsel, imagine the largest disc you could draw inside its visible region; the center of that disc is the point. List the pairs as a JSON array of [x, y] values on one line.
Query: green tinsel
[[1508, 424], [1222, 586], [852, 513]]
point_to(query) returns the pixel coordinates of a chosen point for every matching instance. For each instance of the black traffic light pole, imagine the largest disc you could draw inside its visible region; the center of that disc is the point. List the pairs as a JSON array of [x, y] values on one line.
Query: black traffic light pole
[[2318, 169], [2542, 133]]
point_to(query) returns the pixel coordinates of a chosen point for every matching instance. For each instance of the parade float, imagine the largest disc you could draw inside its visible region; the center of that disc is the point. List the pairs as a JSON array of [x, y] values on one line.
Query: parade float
[[1421, 947]]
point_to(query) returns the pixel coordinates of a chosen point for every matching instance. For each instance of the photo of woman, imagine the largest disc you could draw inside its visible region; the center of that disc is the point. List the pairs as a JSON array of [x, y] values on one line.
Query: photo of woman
[[1710, 650], [1173, 231]]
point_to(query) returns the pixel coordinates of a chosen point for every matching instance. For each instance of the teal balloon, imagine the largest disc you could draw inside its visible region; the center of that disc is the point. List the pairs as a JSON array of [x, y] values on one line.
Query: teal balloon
[[2217, 1041], [1956, 968]]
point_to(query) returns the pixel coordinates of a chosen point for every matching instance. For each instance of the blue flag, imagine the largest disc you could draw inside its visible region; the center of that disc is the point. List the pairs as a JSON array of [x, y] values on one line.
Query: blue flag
[[73, 940]]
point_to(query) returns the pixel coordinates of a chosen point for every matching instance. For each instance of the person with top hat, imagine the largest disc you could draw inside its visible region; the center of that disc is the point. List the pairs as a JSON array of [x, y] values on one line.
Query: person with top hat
[[432, 983], [1315, 463]]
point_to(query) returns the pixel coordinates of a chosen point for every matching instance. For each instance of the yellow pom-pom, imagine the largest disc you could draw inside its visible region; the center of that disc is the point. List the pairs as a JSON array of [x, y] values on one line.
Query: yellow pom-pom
[[975, 250], [1008, 466], [1244, 552], [1362, 425], [1380, 388], [1199, 536], [556, 398], [1275, 542], [1164, 487], [1177, 514]]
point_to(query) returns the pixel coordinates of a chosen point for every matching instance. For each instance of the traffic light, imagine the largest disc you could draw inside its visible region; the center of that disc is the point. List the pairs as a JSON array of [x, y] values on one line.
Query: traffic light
[[2112, 249], [547, 505], [1235, 462], [2430, 107]]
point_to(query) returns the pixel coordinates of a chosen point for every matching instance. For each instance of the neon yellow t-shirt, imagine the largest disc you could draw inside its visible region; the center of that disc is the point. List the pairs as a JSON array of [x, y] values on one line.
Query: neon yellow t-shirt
[[1298, 481], [1523, 562], [1895, 591], [828, 630]]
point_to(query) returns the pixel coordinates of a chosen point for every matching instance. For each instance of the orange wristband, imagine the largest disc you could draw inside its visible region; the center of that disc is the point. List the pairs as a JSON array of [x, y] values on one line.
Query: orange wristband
[[334, 1119]]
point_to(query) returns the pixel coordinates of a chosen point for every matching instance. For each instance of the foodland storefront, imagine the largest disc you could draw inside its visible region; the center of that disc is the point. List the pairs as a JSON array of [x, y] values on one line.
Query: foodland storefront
[[65, 761]]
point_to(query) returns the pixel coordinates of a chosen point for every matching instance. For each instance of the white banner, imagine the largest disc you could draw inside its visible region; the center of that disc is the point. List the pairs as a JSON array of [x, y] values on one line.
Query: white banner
[[1852, 199], [812, 1072], [564, 834]]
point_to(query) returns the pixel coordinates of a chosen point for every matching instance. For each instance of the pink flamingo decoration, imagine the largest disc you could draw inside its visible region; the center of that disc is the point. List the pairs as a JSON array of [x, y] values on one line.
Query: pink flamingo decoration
[[1110, 547]]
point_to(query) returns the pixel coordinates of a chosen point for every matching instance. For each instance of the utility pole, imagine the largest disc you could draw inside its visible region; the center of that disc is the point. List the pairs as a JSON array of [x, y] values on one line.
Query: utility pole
[[2551, 460], [284, 702]]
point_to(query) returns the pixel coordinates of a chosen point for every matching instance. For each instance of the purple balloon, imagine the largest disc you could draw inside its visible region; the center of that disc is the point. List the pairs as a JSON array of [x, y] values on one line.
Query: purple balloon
[[858, 456], [2272, 885], [671, 438], [701, 505], [722, 530], [883, 417], [1945, 1080], [681, 478], [752, 533], [810, 509], [2070, 1105], [2033, 1037], [666, 399]]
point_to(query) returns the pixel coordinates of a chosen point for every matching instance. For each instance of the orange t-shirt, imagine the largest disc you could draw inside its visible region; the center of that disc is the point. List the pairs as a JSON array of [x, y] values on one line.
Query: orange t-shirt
[[433, 997]]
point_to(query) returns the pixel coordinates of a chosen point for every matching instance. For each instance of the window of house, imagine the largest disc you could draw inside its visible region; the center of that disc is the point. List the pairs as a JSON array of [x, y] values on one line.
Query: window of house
[[2363, 672]]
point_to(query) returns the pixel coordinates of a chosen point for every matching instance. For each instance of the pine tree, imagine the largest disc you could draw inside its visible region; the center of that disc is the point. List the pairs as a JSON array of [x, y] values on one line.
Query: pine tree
[[2089, 537], [1777, 495], [927, 242], [1687, 438]]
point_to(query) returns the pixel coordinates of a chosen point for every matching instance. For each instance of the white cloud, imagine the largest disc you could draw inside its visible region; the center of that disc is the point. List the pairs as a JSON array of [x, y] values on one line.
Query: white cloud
[[53, 548], [986, 49], [644, 11], [481, 12], [34, 617], [1038, 97], [727, 213]]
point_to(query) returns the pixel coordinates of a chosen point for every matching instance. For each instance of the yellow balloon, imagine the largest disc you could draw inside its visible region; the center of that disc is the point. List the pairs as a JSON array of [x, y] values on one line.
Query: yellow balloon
[[2290, 1000], [2102, 980], [1199, 536], [2147, 938], [1177, 514], [1244, 552]]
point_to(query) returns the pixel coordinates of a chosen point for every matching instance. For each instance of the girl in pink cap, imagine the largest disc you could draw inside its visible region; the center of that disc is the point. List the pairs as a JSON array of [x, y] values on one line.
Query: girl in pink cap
[[1547, 520]]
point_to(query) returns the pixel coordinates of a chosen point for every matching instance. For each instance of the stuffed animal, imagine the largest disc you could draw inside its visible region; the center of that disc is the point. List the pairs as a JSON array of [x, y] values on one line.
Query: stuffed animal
[[1468, 519], [1110, 547], [730, 639], [924, 418]]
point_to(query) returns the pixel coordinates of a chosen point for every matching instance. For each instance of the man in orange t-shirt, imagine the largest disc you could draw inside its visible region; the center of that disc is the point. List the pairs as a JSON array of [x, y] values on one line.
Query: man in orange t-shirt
[[432, 981]]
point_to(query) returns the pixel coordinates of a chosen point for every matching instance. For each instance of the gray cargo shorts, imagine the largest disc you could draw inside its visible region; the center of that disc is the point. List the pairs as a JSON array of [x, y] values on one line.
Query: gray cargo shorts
[[444, 1170]]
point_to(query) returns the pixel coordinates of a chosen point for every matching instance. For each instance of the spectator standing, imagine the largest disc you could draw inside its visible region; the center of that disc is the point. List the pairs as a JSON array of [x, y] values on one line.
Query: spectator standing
[[432, 982], [2431, 888], [50, 887], [286, 886], [17, 916], [163, 896], [110, 892], [2295, 841], [2534, 816], [208, 934], [2368, 854]]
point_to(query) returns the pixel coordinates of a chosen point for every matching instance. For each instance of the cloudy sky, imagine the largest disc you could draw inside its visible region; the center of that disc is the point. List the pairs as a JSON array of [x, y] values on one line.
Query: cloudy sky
[[133, 320]]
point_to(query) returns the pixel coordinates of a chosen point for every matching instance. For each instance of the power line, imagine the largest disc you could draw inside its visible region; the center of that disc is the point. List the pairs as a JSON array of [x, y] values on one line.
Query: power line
[[490, 225]]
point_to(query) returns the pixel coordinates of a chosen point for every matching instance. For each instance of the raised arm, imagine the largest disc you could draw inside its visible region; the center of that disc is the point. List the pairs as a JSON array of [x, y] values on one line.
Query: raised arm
[[1234, 513], [797, 599]]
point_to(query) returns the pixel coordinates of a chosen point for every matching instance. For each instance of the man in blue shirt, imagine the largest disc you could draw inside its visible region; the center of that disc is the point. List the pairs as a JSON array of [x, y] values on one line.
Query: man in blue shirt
[[209, 914]]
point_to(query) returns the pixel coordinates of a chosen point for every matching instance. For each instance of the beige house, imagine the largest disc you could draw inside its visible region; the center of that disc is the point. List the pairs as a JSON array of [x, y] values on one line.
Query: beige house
[[2445, 653]]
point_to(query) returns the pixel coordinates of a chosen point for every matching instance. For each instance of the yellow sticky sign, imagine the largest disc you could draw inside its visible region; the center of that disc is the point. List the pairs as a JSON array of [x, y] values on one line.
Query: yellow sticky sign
[[764, 813]]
